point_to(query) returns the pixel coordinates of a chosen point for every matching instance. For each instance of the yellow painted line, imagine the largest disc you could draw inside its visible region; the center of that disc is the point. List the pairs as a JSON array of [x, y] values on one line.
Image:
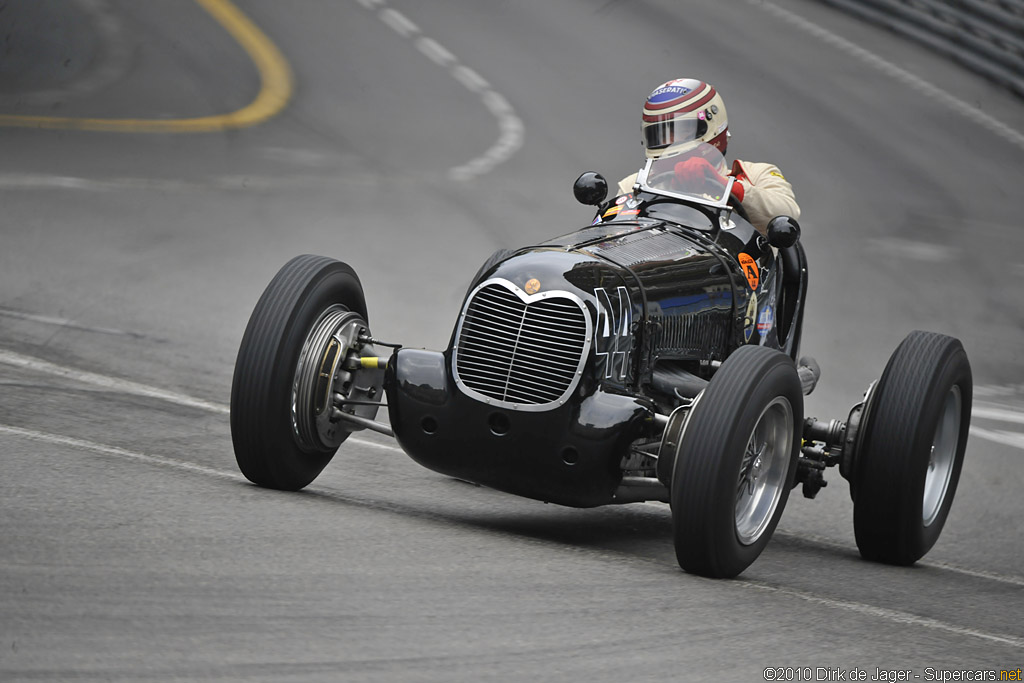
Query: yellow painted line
[[275, 91]]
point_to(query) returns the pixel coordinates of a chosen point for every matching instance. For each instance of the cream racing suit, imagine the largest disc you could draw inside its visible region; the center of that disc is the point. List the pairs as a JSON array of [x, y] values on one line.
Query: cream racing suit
[[765, 193]]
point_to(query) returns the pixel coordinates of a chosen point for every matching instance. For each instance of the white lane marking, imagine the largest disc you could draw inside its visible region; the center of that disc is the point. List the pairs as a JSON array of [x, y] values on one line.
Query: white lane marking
[[374, 444], [510, 125], [913, 250], [117, 452], [473, 81], [977, 573], [113, 383], [829, 543], [856, 607], [435, 51], [63, 322], [887, 614], [1002, 391], [30, 181], [1014, 439], [975, 114], [997, 413], [398, 22], [136, 389]]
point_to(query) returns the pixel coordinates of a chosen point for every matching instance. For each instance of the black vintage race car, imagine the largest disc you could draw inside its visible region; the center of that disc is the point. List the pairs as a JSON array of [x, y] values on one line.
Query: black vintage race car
[[649, 356]]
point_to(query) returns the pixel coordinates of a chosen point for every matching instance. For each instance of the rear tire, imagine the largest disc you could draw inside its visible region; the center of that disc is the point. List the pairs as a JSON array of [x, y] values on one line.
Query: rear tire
[[736, 463], [908, 463], [273, 447]]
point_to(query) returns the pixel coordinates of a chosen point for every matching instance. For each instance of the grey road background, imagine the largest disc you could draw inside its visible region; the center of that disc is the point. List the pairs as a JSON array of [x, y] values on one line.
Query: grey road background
[[130, 547]]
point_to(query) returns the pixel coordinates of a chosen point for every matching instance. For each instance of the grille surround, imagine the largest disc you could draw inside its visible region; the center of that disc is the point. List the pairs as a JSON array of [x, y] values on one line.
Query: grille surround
[[521, 351]]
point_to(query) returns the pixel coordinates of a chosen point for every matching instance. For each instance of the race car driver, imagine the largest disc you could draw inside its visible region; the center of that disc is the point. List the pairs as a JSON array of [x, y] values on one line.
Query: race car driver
[[687, 109]]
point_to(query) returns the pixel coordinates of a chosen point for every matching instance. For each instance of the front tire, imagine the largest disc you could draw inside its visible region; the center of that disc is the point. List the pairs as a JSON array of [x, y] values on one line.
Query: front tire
[[308, 318], [908, 463], [736, 463]]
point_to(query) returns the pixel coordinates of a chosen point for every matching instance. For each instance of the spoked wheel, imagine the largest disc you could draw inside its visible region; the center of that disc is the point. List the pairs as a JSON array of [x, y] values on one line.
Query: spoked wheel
[[763, 471], [296, 371], [736, 462], [911, 450]]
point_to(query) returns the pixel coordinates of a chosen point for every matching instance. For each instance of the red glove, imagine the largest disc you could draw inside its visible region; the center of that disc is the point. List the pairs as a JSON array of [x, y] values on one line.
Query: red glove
[[694, 171], [737, 190], [738, 174]]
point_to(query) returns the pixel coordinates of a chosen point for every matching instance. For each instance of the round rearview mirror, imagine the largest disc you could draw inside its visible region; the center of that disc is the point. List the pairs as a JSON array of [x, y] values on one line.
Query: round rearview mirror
[[783, 232], [590, 188]]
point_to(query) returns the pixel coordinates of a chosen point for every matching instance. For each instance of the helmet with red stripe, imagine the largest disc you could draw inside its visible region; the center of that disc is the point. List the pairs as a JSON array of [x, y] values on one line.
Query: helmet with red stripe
[[683, 110]]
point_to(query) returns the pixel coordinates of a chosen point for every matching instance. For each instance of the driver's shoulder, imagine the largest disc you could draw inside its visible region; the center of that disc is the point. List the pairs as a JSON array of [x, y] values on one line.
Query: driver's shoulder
[[757, 169], [626, 184]]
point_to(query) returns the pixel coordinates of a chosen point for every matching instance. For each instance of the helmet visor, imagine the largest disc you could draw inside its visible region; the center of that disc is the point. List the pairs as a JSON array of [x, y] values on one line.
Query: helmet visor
[[664, 133]]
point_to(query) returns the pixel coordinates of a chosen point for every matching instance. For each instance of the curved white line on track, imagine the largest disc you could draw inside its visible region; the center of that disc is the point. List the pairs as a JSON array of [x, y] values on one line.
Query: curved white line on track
[[886, 614], [511, 138], [975, 115]]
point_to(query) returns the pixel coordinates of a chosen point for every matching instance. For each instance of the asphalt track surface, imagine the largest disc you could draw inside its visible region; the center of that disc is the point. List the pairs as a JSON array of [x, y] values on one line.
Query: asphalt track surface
[[411, 140]]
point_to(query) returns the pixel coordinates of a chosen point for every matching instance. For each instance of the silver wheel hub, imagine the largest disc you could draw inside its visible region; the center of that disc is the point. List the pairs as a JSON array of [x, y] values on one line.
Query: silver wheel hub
[[321, 377], [942, 457], [764, 470]]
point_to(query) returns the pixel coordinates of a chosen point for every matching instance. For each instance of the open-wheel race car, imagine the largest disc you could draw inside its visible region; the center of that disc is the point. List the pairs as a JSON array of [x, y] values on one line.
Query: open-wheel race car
[[650, 356]]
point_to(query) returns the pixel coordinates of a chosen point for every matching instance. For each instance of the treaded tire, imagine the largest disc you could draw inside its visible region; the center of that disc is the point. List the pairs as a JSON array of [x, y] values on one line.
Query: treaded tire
[[754, 382], [914, 400], [264, 440]]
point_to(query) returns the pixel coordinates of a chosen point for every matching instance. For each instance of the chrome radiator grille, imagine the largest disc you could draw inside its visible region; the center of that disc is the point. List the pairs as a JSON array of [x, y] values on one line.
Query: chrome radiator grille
[[521, 351]]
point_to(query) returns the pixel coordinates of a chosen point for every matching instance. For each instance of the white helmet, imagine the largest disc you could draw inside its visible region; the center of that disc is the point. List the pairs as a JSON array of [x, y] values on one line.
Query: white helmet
[[683, 110]]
